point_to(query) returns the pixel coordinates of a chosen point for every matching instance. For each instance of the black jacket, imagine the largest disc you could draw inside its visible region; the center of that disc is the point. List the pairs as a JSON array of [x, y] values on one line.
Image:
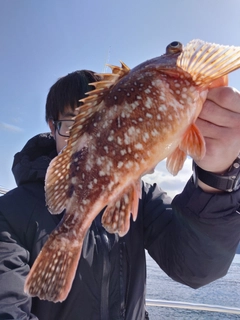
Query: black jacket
[[193, 239]]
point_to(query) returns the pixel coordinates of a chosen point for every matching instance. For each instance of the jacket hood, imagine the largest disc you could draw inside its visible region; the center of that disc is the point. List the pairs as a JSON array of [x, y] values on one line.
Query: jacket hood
[[31, 163]]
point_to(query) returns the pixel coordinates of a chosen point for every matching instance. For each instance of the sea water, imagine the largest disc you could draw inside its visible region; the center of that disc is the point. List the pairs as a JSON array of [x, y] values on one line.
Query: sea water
[[222, 292]]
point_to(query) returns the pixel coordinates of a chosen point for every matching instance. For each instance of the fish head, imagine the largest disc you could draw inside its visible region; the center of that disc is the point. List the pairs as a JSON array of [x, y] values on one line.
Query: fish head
[[166, 63]]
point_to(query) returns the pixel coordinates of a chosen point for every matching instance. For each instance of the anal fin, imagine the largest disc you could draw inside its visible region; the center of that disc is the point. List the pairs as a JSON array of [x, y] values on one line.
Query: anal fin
[[116, 218]]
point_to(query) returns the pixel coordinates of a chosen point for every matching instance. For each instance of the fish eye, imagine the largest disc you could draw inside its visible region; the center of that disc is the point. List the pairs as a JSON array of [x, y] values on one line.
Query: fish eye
[[174, 47]]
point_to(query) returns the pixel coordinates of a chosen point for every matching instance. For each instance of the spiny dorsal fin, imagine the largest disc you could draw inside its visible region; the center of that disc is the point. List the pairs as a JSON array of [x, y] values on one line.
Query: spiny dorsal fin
[[92, 103], [206, 62], [121, 71]]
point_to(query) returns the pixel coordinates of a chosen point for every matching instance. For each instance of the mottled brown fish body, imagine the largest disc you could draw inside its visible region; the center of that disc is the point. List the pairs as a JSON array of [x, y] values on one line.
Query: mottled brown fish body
[[131, 121]]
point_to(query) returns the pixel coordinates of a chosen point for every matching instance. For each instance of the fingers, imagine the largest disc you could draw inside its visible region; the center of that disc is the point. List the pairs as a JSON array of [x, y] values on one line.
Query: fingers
[[219, 122], [222, 108], [226, 97]]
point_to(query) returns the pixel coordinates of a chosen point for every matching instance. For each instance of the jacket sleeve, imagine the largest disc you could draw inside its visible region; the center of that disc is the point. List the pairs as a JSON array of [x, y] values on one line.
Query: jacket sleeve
[[14, 304], [194, 238]]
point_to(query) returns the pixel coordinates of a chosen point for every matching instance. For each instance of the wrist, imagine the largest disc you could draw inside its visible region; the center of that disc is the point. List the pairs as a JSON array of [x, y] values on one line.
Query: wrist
[[212, 182]]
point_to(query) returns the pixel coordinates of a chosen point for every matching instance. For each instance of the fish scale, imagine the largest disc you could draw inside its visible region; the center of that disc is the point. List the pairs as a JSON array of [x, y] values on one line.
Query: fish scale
[[124, 128]]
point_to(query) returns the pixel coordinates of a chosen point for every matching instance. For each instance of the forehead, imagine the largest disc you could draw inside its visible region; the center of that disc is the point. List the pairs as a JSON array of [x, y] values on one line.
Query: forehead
[[67, 113]]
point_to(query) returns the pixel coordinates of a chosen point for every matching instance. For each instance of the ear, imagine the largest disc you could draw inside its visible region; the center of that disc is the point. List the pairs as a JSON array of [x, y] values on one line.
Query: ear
[[52, 128]]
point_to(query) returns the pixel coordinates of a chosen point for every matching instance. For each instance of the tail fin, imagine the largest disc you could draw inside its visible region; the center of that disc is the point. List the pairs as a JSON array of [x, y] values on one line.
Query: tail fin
[[53, 271]]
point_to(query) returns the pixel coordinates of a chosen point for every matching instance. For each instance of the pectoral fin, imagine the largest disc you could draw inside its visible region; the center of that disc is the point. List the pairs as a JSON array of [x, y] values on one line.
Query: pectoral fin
[[175, 161], [192, 144]]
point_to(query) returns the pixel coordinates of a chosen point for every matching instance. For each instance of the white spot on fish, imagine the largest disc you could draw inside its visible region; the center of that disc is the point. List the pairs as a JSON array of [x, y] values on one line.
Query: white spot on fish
[[123, 152], [138, 146], [129, 164], [119, 122], [131, 130], [149, 115], [154, 132], [99, 161], [127, 139], [119, 140], [184, 96], [120, 164], [135, 105], [162, 108], [148, 103], [145, 137], [106, 149]]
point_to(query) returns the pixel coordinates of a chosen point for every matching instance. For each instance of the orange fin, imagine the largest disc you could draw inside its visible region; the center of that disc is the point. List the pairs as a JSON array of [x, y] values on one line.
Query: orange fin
[[193, 143], [175, 161], [116, 218], [53, 271], [120, 71], [220, 82], [62, 173], [57, 182], [92, 103], [206, 62]]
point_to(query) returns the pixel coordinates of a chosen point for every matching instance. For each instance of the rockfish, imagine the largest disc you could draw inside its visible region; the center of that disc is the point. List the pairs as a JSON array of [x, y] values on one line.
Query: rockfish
[[124, 128]]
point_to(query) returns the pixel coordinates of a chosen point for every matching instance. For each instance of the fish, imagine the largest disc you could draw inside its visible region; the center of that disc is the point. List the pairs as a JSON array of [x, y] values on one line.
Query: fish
[[132, 120]]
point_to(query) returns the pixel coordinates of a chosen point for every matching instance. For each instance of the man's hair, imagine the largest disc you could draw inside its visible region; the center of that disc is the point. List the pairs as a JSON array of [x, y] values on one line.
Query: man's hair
[[67, 91]]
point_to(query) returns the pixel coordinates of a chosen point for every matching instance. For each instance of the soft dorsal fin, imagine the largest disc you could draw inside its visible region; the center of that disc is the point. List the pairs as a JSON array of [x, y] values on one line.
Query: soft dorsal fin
[[206, 62], [57, 182]]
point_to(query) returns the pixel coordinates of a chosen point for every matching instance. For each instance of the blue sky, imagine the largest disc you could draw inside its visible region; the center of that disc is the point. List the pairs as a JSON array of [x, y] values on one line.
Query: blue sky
[[43, 40]]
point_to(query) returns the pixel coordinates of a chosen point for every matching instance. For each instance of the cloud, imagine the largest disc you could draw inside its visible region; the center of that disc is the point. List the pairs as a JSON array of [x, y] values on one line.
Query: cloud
[[10, 127], [172, 185]]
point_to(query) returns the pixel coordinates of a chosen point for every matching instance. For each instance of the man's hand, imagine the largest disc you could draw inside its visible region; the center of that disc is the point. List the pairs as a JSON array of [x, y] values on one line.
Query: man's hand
[[219, 122]]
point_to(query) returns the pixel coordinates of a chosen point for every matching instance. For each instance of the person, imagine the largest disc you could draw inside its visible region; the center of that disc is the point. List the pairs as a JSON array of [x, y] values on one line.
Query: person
[[193, 237]]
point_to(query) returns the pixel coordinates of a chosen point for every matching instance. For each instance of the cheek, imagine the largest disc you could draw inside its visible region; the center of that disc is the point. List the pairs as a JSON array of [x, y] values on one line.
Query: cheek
[[61, 142]]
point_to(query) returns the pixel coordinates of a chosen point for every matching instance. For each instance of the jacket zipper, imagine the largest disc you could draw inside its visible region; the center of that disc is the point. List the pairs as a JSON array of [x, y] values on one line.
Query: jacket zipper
[[105, 278]]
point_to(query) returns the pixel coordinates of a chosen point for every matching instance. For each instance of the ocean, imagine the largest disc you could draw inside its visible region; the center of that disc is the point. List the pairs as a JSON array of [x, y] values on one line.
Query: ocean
[[222, 292]]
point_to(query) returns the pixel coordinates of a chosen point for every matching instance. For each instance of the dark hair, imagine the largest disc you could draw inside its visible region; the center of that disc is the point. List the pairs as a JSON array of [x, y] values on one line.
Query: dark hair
[[67, 91]]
